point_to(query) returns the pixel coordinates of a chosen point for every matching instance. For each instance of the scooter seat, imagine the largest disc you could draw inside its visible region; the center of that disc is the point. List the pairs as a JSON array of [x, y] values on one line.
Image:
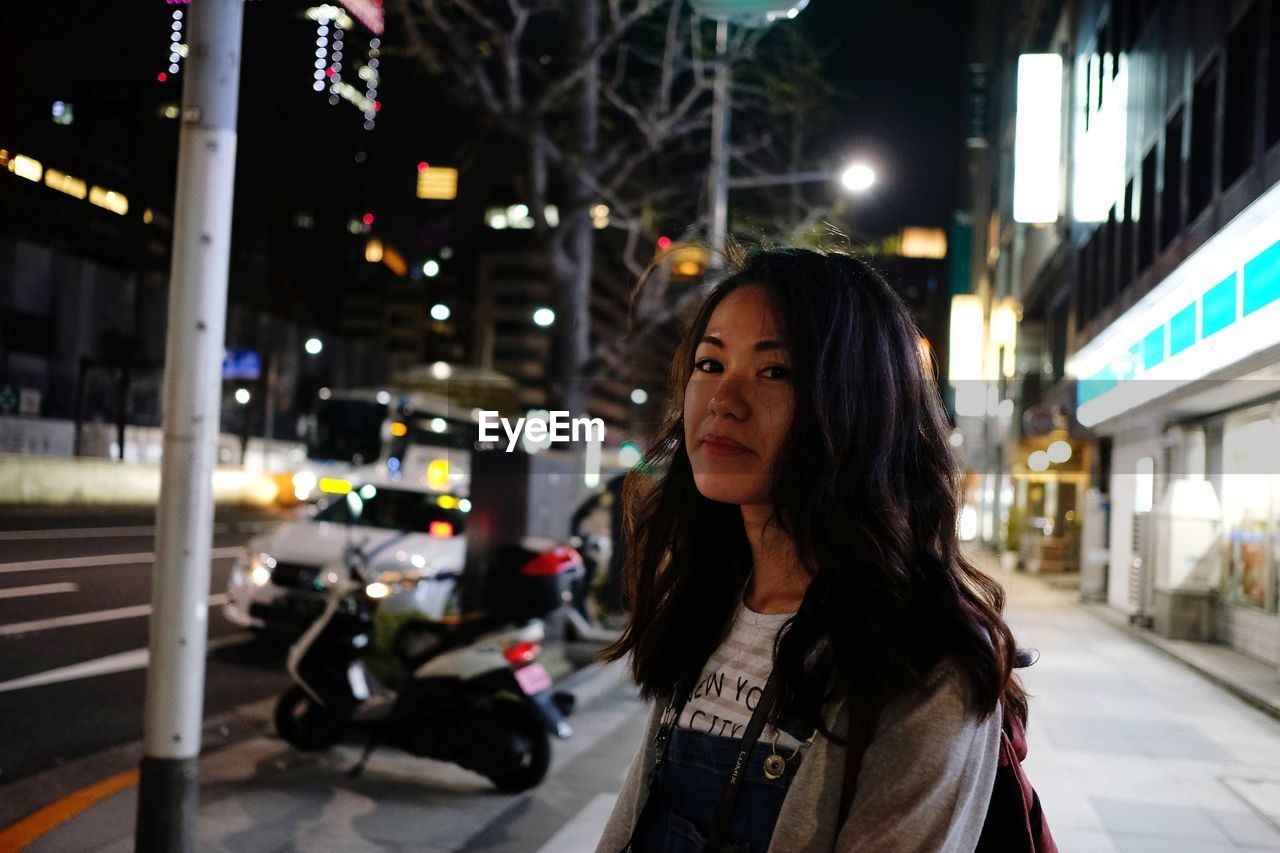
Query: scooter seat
[[421, 640]]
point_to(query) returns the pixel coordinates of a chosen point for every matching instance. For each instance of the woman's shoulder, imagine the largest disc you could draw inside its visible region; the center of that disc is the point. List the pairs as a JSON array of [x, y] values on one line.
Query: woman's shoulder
[[946, 690]]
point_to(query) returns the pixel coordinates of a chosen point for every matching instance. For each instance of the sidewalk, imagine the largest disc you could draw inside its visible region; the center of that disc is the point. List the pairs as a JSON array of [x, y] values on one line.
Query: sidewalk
[[1131, 750]]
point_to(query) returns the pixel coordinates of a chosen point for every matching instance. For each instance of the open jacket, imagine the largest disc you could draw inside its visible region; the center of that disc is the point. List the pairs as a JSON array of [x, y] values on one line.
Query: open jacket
[[924, 784]]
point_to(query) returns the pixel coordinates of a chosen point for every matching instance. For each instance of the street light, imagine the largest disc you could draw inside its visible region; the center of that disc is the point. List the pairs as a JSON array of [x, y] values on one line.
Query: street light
[[746, 13], [431, 269], [314, 346], [243, 396], [544, 317], [859, 177], [440, 312]]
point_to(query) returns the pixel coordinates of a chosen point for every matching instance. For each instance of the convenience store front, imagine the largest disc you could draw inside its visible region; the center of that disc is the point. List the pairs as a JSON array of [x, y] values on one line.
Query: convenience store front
[[1186, 384]]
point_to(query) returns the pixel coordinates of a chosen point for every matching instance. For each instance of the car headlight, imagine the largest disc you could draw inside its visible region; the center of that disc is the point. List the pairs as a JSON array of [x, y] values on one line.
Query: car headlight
[[260, 567]]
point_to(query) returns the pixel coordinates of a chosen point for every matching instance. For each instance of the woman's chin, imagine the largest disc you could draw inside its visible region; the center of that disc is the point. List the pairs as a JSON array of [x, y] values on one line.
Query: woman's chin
[[730, 488]]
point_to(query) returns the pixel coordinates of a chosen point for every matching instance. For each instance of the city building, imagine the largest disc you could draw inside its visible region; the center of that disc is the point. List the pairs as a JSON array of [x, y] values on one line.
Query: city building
[[1131, 215]]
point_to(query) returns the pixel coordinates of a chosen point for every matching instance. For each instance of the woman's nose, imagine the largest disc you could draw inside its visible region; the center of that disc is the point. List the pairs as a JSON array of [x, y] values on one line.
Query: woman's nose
[[727, 400]]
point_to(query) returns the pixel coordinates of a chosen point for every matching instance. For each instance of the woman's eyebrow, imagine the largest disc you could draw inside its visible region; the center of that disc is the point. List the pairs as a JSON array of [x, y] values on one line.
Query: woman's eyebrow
[[760, 346]]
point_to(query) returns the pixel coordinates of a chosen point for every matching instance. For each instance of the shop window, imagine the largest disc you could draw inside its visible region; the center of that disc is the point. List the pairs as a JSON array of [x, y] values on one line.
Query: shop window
[[1171, 190], [1239, 115], [1204, 112], [1249, 507], [1146, 216]]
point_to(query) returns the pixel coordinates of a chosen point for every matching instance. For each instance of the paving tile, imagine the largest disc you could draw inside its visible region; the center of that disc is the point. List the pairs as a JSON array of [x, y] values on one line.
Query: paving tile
[[1084, 841], [1247, 829]]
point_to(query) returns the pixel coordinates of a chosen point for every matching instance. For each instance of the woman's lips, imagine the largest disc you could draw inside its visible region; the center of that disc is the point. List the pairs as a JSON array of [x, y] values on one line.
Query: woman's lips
[[718, 447]]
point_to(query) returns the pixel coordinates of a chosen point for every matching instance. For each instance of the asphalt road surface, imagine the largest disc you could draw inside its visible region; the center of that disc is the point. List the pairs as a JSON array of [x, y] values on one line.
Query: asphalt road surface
[[74, 606]]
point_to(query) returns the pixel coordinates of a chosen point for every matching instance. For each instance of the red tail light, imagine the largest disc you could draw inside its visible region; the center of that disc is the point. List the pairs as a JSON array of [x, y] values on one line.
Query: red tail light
[[440, 529], [522, 653], [553, 562]]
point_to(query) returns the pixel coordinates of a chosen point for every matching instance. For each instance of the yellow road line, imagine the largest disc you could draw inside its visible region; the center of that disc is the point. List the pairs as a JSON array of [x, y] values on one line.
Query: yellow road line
[[29, 829]]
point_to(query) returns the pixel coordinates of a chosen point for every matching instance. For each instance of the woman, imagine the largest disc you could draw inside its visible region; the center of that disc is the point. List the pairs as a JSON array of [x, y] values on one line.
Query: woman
[[795, 522]]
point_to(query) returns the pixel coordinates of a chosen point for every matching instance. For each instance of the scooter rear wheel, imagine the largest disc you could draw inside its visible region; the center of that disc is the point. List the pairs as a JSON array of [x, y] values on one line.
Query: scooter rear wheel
[[532, 742], [305, 724]]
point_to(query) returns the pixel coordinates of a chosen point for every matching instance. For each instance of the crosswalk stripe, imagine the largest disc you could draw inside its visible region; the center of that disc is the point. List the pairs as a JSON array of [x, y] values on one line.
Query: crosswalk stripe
[[100, 560]]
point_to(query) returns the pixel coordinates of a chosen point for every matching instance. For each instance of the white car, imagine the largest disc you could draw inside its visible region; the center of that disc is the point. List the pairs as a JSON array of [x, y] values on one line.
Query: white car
[[416, 539]]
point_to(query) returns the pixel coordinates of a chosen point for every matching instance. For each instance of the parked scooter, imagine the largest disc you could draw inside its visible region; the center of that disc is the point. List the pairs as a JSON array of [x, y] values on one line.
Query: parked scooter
[[473, 693]]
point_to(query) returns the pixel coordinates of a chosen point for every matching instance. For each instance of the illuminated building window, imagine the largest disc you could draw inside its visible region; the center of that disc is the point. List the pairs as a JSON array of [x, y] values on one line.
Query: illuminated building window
[[109, 200], [26, 167], [437, 182], [64, 183]]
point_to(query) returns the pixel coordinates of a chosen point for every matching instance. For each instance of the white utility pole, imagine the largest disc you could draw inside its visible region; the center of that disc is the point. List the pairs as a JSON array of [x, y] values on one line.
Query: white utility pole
[[168, 793]]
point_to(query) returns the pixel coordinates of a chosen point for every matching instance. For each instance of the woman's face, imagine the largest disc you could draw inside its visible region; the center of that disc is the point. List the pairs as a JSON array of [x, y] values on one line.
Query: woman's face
[[739, 401]]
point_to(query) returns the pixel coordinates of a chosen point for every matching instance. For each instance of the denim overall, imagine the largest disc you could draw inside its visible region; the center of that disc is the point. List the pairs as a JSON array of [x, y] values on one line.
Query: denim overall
[[689, 783]]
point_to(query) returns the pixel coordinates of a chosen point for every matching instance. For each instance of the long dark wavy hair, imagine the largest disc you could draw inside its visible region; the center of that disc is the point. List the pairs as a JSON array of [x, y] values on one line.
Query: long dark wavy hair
[[866, 484]]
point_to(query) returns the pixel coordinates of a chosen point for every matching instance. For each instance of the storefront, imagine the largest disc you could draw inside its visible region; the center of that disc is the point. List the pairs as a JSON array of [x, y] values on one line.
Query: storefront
[[1186, 384]]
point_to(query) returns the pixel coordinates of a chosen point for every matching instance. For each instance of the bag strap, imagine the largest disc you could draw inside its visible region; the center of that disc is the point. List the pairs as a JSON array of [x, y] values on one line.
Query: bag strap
[[720, 824], [667, 722], [863, 714]]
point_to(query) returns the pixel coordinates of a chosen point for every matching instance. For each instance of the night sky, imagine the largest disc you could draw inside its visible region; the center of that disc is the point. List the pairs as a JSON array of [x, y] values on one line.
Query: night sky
[[899, 66], [903, 65]]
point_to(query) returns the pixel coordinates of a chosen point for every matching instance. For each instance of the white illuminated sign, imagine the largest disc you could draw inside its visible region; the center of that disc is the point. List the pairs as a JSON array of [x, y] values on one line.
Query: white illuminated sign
[[1037, 143], [1100, 147], [1220, 306]]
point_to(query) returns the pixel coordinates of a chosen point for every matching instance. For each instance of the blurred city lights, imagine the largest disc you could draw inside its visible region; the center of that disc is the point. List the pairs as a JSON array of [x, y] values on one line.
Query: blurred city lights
[[439, 425], [544, 317], [1038, 461], [858, 177], [314, 346], [639, 396], [664, 243], [441, 370], [438, 474], [431, 269], [243, 396], [440, 312], [1059, 452], [383, 398], [628, 455], [324, 394]]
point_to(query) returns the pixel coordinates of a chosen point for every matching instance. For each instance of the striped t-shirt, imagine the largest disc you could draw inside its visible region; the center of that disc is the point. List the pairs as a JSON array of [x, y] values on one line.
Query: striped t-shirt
[[733, 679]]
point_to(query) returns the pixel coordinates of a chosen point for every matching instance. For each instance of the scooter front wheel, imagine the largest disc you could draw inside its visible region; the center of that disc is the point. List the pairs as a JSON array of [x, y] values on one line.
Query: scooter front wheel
[[532, 746], [304, 723]]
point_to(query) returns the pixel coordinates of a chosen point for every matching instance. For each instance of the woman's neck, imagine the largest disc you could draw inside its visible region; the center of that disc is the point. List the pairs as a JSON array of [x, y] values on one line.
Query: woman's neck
[[778, 580]]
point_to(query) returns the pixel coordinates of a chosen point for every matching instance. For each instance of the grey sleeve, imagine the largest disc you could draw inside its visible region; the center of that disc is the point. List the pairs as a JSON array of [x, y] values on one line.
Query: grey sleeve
[[926, 778], [631, 798]]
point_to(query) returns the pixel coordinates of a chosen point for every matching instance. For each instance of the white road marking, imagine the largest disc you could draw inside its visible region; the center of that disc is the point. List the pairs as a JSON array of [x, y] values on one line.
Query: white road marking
[[122, 662], [39, 589], [90, 618], [101, 560], [583, 831], [126, 532]]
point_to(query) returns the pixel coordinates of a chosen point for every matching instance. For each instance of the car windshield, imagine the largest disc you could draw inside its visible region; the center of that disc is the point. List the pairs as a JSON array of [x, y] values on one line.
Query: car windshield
[[392, 509], [346, 431]]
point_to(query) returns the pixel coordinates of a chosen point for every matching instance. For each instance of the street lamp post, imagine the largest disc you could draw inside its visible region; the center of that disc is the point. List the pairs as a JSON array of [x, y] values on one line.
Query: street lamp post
[[746, 13]]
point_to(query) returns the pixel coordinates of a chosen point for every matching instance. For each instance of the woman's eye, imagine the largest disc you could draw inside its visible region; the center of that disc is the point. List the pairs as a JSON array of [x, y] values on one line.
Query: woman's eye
[[698, 365], [777, 371]]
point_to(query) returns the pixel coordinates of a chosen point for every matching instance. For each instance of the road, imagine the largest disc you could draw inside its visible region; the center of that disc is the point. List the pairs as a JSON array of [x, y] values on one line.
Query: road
[[74, 601]]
